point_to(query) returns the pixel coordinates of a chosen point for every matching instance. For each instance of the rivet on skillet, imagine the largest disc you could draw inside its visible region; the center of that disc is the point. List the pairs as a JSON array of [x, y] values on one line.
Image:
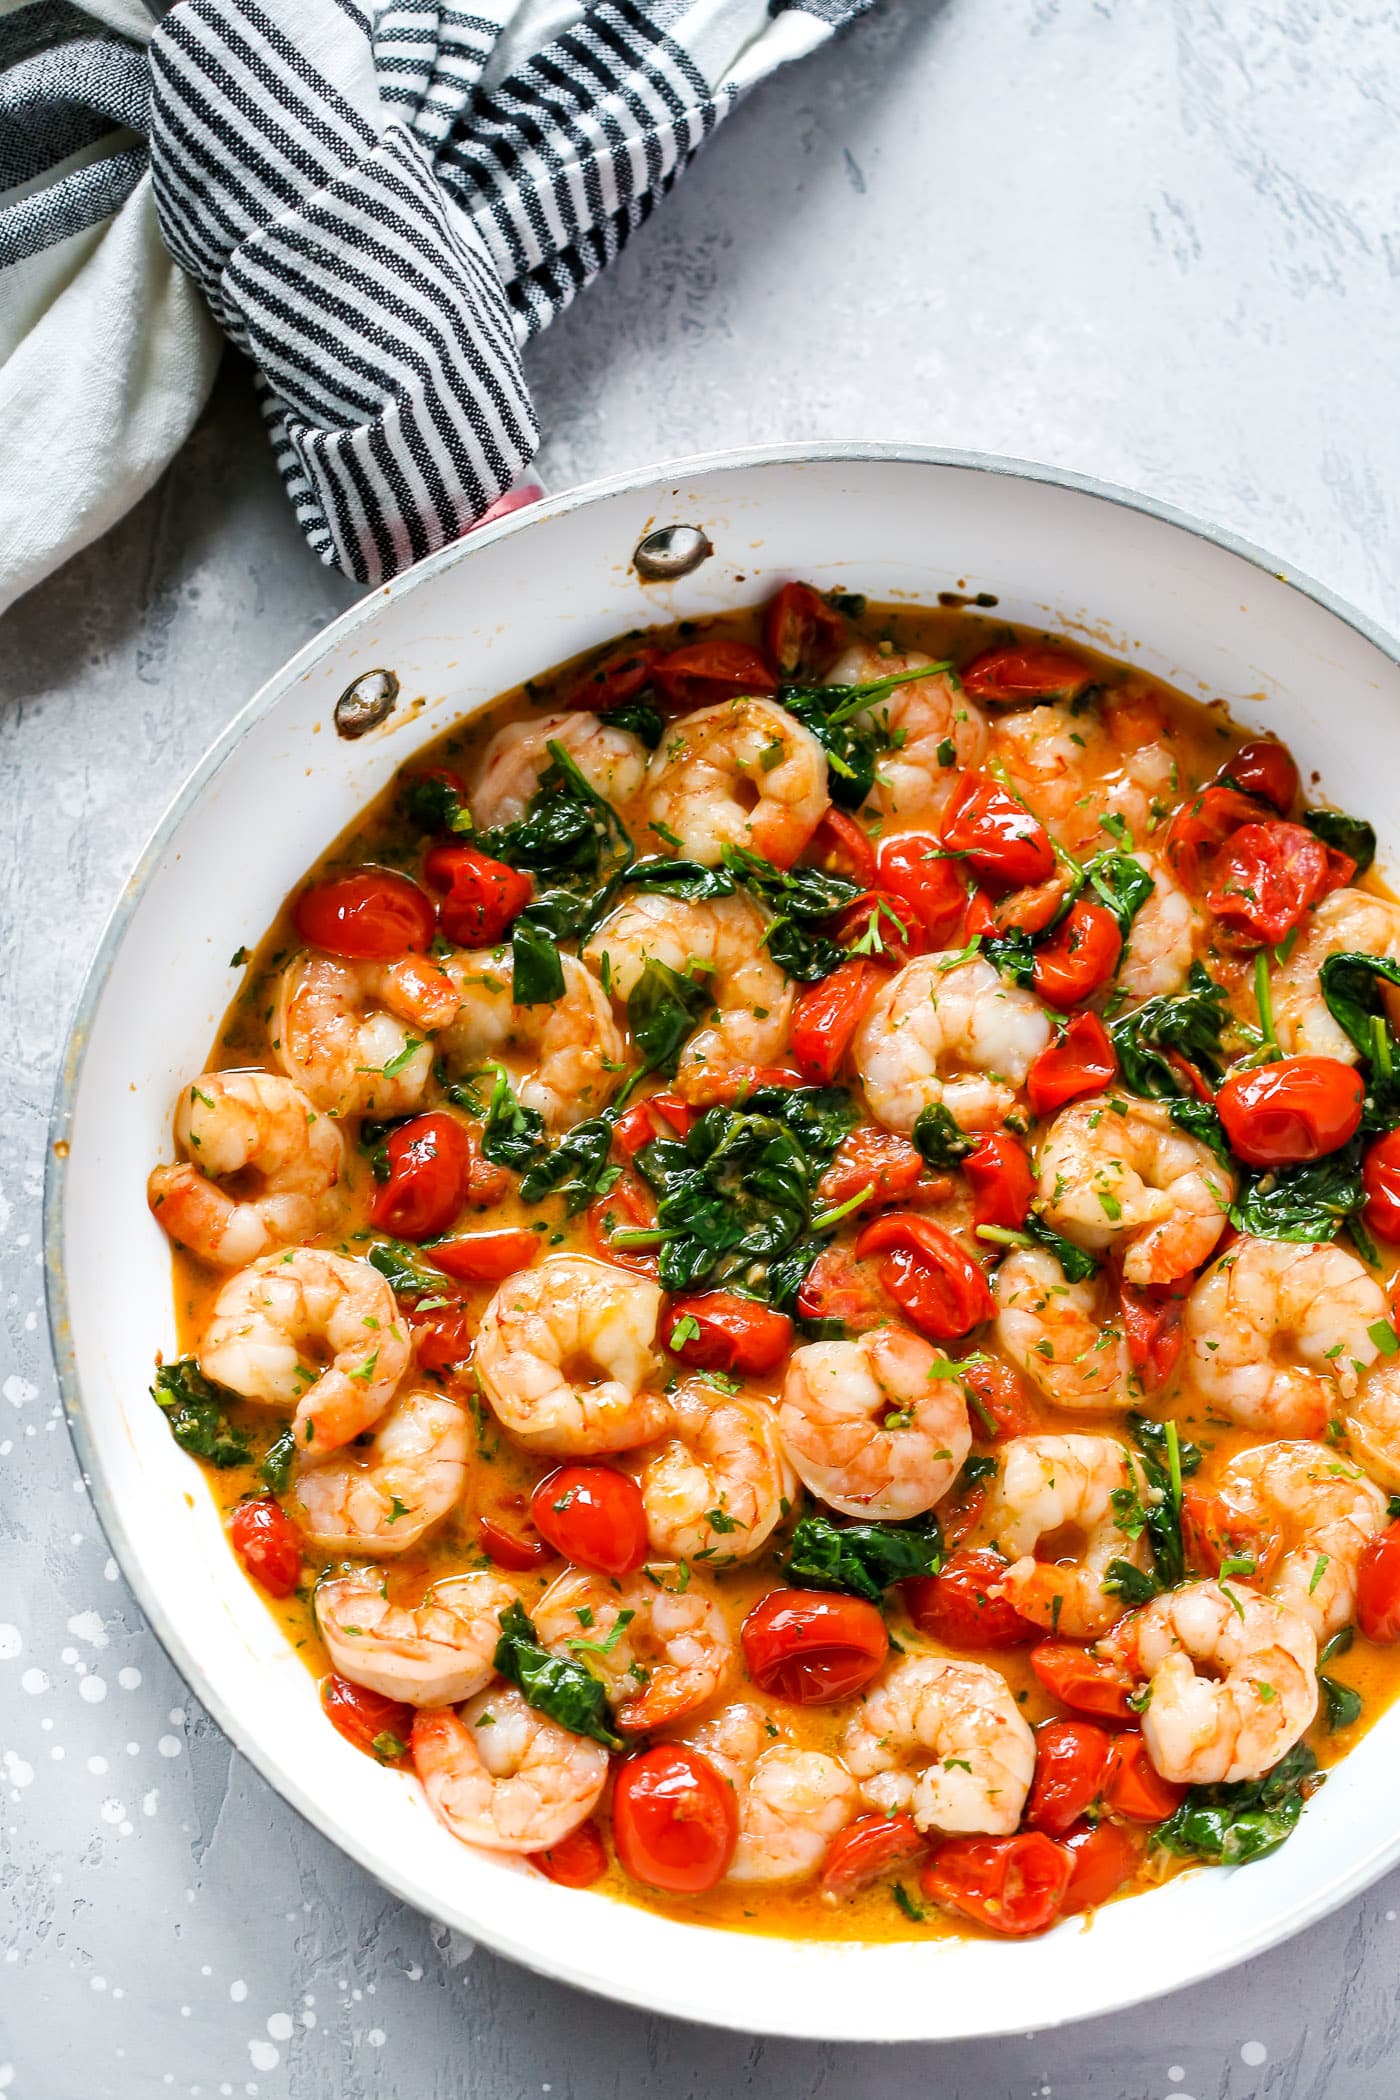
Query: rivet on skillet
[[366, 703], [669, 552]]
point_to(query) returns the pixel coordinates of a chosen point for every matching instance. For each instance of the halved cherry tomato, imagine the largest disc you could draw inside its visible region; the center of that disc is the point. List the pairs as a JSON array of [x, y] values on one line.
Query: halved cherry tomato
[[430, 1164], [617, 678], [371, 915], [1027, 671], [594, 1516], [1380, 1178], [627, 1207], [1028, 910], [999, 836], [442, 1334], [1091, 1684], [1000, 1403], [1081, 1060], [380, 1727], [958, 1608], [509, 1548], [842, 846], [1265, 768], [915, 868], [1213, 1531], [838, 1287], [487, 1257], [1080, 955], [884, 925], [1071, 1761], [813, 1647], [660, 1115], [1013, 1885], [871, 1846], [675, 1820], [1152, 1326], [999, 1174], [890, 1167], [1378, 1586], [268, 1544], [940, 1289], [577, 1861], [1267, 875], [720, 1331], [1133, 1787], [701, 672], [1203, 824], [480, 896], [1104, 1856], [800, 630], [827, 1015], [1300, 1108]]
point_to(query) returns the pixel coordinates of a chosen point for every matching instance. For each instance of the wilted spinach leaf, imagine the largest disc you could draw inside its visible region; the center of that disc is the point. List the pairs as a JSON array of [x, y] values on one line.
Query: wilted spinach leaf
[[1235, 1824], [1308, 1202], [278, 1460], [432, 803], [553, 1684], [568, 831], [194, 1407], [732, 1197], [862, 1559], [1122, 884], [662, 1010], [1191, 1023], [939, 1138], [511, 1134], [537, 973], [641, 718], [577, 1168], [1077, 1264], [1350, 835], [1166, 1461], [833, 714], [680, 878], [818, 1116]]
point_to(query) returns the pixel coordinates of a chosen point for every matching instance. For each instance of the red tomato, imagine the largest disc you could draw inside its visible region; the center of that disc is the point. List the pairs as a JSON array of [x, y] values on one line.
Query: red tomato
[[675, 1820], [268, 1544], [958, 1608], [487, 1257], [1000, 1403], [430, 1163], [1080, 955], [516, 1550], [1380, 1178], [812, 1647], [1300, 1108], [1378, 1587], [702, 1086], [890, 1167], [999, 1172], [915, 868], [888, 925], [702, 672], [442, 1335], [827, 1015], [1027, 671], [618, 677], [1013, 1885], [871, 1846], [1071, 1760], [1152, 1325], [660, 1115], [1091, 1684], [593, 1515], [998, 834], [842, 846], [1204, 824], [1081, 1060], [1028, 910], [480, 896], [577, 1861], [726, 1333], [380, 1727], [627, 1207], [837, 1287], [1264, 767], [941, 1290], [1105, 1855], [800, 630], [372, 915], [1267, 875], [1133, 1787]]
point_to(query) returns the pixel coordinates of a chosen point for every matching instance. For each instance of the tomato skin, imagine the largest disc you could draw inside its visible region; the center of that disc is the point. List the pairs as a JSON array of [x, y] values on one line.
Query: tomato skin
[[1104, 1856], [1378, 1587], [1264, 767], [957, 1607], [1079, 957], [619, 677], [430, 1166], [1298, 1109], [1091, 1684], [627, 1207], [442, 1338], [363, 1717], [1152, 1327], [593, 1515], [998, 834], [998, 1394], [842, 846], [1267, 875], [897, 930], [370, 915], [826, 1016], [514, 1550], [800, 630], [268, 1544], [1014, 1885], [1071, 1764], [487, 1257], [1380, 1178], [577, 1861], [940, 1289], [480, 896], [888, 1165], [999, 1173], [915, 869], [813, 1646], [660, 1115], [1080, 1061], [675, 1820], [735, 1333], [1133, 1787], [871, 1846], [838, 1287], [701, 672], [1027, 671], [1205, 823]]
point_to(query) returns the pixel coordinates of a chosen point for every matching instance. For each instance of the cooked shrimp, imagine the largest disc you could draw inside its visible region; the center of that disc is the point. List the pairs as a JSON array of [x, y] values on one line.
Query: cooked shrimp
[[746, 774], [355, 1035], [1059, 1333], [657, 1640], [722, 1483], [259, 1132], [1345, 922], [1260, 1694], [941, 1030], [1078, 777], [945, 1740], [1373, 1425], [872, 1425], [431, 1654], [1115, 1172], [382, 1499], [566, 1357], [1278, 1331], [1312, 1506], [575, 1052], [791, 1802], [275, 1323], [933, 731], [1073, 1494], [500, 1775], [1162, 939], [611, 760], [719, 941]]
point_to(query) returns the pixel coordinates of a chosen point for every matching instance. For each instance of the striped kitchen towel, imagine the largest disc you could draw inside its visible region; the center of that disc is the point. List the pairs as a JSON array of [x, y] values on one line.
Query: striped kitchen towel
[[380, 203]]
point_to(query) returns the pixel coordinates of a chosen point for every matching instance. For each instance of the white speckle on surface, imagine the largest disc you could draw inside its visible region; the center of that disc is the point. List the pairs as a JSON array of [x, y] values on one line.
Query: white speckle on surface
[[279, 2026], [149, 1804], [113, 1811], [308, 2018], [7, 2077], [1175, 2071], [97, 1766], [169, 1746], [88, 1626], [97, 1983], [93, 1689], [265, 2057], [376, 2037], [36, 1680], [68, 1655], [129, 1677], [110, 1570], [11, 1642], [238, 1990], [1253, 2054], [177, 1716], [17, 1770], [19, 1392]]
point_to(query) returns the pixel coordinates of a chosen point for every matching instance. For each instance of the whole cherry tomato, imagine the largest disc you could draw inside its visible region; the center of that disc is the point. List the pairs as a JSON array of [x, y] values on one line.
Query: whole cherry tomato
[[675, 1820], [380, 1727], [660, 1115], [1300, 1108], [813, 1647], [915, 868], [882, 925], [577, 1861], [1014, 1885], [430, 1163], [827, 1015], [372, 915], [1091, 1684], [593, 1515], [1080, 955], [1203, 825], [958, 1608], [1380, 1178], [1000, 1404], [800, 630], [1071, 1762], [1133, 1787], [1104, 1856], [480, 896], [268, 1544], [701, 672], [614, 680], [1152, 1327], [1265, 768], [999, 1175], [842, 846], [871, 1846], [940, 1289], [509, 1548], [891, 1168], [1267, 875], [838, 1287], [487, 1257], [997, 834], [1081, 1060], [1027, 671], [720, 1331], [1378, 1586]]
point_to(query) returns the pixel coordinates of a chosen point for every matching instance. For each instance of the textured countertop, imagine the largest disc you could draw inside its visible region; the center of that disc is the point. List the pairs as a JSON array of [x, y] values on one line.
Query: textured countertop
[[1157, 244]]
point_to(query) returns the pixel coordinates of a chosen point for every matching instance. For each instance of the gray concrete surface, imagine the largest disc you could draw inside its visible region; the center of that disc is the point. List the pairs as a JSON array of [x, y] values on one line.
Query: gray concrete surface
[[1156, 243]]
